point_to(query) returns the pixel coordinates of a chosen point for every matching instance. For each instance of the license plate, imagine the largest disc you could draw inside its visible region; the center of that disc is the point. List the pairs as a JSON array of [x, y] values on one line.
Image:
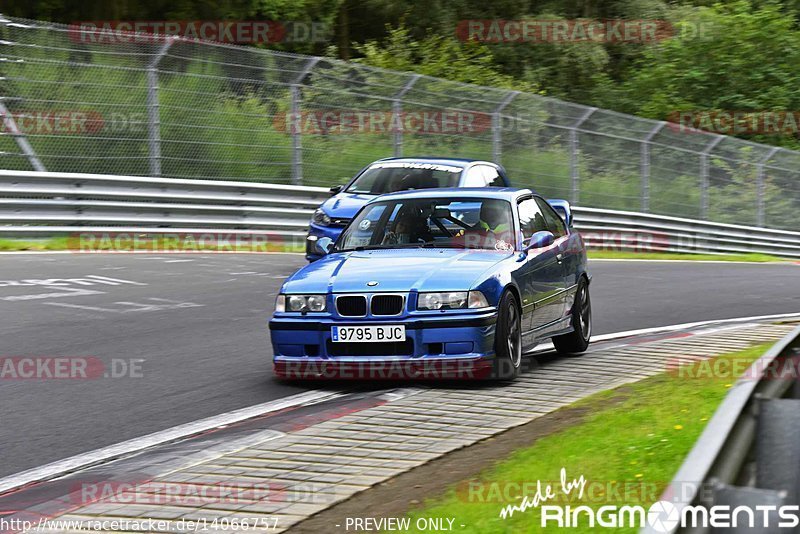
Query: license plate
[[368, 334]]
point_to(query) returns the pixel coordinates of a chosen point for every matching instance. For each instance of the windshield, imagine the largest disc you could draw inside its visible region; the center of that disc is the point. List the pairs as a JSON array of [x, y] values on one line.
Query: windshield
[[424, 222], [391, 176]]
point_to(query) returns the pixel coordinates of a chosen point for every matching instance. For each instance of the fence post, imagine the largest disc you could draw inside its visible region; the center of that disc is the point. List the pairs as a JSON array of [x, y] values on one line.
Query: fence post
[[573, 156], [19, 137], [397, 109], [760, 186], [644, 167], [497, 126], [153, 113], [297, 146], [704, 175]]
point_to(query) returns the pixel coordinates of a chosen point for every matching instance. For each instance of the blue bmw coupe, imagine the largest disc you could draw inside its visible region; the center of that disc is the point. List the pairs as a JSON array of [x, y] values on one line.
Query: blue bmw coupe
[[437, 283]]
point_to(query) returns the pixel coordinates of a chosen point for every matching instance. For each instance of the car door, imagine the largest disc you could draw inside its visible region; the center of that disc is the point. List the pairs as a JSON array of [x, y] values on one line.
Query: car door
[[541, 275], [565, 257]]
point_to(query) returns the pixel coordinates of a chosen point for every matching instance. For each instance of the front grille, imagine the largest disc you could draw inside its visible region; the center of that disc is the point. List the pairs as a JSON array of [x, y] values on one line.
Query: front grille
[[387, 304], [392, 348], [351, 306]]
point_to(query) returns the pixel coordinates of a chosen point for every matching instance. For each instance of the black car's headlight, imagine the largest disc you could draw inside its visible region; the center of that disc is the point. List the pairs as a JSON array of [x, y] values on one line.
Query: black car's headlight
[[300, 303], [451, 300], [321, 218]]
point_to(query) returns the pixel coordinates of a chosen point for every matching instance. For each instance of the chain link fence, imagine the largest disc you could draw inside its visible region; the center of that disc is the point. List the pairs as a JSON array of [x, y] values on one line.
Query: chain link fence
[[74, 101]]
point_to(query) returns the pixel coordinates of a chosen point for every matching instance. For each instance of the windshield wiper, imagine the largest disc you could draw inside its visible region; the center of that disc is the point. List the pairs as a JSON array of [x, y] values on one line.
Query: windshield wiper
[[387, 245], [440, 244]]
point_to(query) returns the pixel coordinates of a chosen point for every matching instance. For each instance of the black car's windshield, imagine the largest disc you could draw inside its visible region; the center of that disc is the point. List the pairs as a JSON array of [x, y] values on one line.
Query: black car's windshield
[[391, 176], [482, 223]]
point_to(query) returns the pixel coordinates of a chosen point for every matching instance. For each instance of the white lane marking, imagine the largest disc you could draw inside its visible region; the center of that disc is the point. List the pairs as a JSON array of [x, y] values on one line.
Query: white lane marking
[[176, 261], [79, 306], [82, 461], [62, 292], [117, 280], [671, 328], [786, 262], [127, 307], [88, 280], [547, 346]]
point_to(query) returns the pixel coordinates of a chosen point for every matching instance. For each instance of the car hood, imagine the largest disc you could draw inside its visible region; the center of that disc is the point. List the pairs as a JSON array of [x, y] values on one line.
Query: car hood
[[345, 205], [398, 270]]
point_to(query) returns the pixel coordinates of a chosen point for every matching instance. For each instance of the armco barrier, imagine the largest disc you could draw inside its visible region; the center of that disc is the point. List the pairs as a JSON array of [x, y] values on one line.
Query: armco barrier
[[45, 203], [749, 453]]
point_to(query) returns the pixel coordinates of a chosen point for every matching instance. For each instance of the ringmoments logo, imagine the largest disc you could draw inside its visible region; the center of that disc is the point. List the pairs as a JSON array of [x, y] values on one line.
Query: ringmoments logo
[[661, 516]]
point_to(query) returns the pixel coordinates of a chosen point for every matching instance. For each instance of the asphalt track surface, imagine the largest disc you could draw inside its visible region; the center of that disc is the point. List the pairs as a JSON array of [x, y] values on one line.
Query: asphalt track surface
[[188, 334]]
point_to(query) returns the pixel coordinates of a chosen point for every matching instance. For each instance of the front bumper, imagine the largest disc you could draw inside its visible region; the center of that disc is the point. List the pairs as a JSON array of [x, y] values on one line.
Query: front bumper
[[315, 232], [435, 348]]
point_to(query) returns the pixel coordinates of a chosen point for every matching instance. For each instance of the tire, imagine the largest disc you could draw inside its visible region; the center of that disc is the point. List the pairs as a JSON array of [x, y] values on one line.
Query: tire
[[578, 340], [508, 339]]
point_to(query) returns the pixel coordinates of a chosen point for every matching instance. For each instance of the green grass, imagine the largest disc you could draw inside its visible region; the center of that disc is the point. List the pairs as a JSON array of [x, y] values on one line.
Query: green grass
[[50, 243], [630, 441], [622, 255], [154, 244]]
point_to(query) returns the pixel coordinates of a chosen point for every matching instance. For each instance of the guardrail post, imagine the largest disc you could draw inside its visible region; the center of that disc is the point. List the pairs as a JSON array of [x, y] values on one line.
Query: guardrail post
[[497, 126], [704, 175], [760, 186], [153, 113], [574, 174], [644, 167], [397, 109], [19, 137], [297, 146]]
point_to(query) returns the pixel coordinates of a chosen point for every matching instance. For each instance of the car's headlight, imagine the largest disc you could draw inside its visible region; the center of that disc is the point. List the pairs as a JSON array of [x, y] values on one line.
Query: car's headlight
[[321, 218], [453, 300], [301, 303]]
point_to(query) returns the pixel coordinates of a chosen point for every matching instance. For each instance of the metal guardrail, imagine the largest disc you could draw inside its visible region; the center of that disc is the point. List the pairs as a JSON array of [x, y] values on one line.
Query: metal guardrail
[[46, 203], [749, 453], [184, 108]]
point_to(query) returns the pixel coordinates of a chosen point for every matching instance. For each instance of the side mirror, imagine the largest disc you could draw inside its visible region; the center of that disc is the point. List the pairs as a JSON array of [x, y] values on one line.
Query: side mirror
[[324, 245], [563, 208], [336, 189], [538, 240]]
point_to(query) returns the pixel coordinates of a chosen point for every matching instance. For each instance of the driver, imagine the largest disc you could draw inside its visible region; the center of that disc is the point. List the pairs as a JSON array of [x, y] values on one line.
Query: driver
[[409, 227], [494, 217], [494, 223]]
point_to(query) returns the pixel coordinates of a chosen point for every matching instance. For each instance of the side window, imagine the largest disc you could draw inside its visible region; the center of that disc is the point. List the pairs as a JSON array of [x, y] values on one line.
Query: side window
[[554, 222], [474, 177], [492, 177], [531, 219]]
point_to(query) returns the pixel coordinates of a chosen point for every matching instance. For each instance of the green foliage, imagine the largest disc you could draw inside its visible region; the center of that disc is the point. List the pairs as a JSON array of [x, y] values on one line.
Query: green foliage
[[439, 56], [742, 57]]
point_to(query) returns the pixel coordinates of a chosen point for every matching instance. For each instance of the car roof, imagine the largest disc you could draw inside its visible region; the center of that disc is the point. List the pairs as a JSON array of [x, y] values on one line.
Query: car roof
[[504, 193], [454, 162]]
